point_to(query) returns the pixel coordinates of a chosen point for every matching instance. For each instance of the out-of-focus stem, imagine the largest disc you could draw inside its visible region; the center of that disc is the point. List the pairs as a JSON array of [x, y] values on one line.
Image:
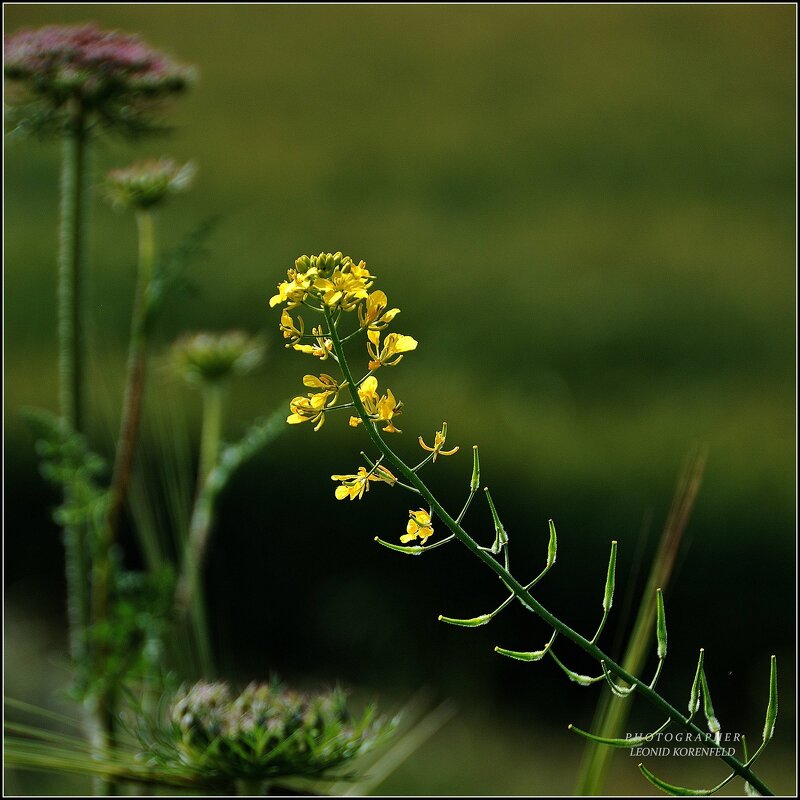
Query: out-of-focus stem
[[72, 229], [105, 704], [612, 712], [136, 373], [70, 356], [189, 596]]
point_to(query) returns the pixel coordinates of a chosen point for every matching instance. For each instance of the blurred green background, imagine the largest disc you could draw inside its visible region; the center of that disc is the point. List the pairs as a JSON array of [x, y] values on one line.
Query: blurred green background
[[587, 215]]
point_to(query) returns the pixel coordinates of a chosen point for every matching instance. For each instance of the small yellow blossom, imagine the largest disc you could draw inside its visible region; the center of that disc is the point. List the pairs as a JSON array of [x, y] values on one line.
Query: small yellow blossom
[[321, 350], [373, 315], [326, 383], [354, 486], [312, 408], [343, 288], [419, 525], [291, 331], [380, 408], [388, 407], [394, 345], [438, 443], [296, 289]]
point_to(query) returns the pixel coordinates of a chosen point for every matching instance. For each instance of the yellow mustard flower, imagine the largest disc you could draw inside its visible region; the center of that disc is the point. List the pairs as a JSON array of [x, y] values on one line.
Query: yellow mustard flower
[[380, 408], [388, 407], [312, 408], [307, 409], [326, 383], [354, 486], [438, 443], [291, 331], [372, 314], [345, 287], [419, 525], [321, 350], [394, 345], [296, 289]]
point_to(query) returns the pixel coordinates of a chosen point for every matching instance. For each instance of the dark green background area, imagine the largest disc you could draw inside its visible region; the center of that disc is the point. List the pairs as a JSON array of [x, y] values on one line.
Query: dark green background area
[[587, 216]]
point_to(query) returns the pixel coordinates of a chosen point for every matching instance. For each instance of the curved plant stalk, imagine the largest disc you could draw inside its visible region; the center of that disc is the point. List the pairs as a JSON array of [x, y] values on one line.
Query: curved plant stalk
[[104, 706], [189, 590], [136, 372], [410, 476], [612, 713]]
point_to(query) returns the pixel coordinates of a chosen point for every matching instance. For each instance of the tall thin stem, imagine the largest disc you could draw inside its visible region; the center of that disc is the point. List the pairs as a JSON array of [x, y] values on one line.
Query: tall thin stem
[[72, 235], [612, 711], [189, 595], [513, 585], [72, 221], [104, 706], [136, 373]]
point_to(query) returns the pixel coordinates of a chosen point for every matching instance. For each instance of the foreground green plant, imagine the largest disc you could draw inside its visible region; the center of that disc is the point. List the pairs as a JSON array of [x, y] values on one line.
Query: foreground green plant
[[71, 82], [333, 286], [204, 737]]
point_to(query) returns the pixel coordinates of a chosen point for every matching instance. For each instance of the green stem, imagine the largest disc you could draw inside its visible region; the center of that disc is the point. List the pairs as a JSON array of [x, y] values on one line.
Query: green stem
[[612, 712], [213, 394], [71, 364], [72, 236], [189, 596], [70, 357], [513, 585], [135, 379], [130, 422]]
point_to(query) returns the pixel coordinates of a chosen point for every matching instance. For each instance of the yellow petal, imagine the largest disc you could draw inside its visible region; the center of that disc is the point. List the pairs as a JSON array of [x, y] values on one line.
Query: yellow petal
[[403, 344], [341, 492]]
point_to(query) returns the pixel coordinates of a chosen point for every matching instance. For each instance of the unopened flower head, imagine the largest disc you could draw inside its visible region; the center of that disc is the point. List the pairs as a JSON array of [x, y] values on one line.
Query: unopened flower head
[[115, 75], [329, 279], [265, 732], [214, 357], [146, 183]]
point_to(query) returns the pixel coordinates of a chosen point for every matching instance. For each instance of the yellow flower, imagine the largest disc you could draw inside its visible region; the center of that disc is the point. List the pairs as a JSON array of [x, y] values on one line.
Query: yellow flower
[[344, 288], [419, 525], [388, 407], [289, 330], [354, 486], [307, 409], [322, 349], [438, 443], [326, 383], [312, 408], [296, 289], [380, 408], [373, 315], [394, 345]]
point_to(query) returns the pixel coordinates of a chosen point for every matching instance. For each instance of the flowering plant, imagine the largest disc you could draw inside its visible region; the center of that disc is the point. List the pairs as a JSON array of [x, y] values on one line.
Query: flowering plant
[[333, 286]]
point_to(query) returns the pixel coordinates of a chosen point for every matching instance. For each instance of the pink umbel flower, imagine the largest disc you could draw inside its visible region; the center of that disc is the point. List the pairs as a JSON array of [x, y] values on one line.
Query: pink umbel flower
[[115, 77]]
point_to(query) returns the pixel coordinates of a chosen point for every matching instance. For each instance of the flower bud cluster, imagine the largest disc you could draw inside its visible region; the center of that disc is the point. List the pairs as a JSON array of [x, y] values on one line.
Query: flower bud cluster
[[265, 731]]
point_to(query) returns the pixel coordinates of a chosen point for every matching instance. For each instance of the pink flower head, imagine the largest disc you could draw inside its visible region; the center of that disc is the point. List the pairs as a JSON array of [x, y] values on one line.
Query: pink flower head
[[117, 75]]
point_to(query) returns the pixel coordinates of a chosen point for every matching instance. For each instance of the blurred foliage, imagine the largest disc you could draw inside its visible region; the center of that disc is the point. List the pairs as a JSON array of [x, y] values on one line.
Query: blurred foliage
[[587, 215]]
